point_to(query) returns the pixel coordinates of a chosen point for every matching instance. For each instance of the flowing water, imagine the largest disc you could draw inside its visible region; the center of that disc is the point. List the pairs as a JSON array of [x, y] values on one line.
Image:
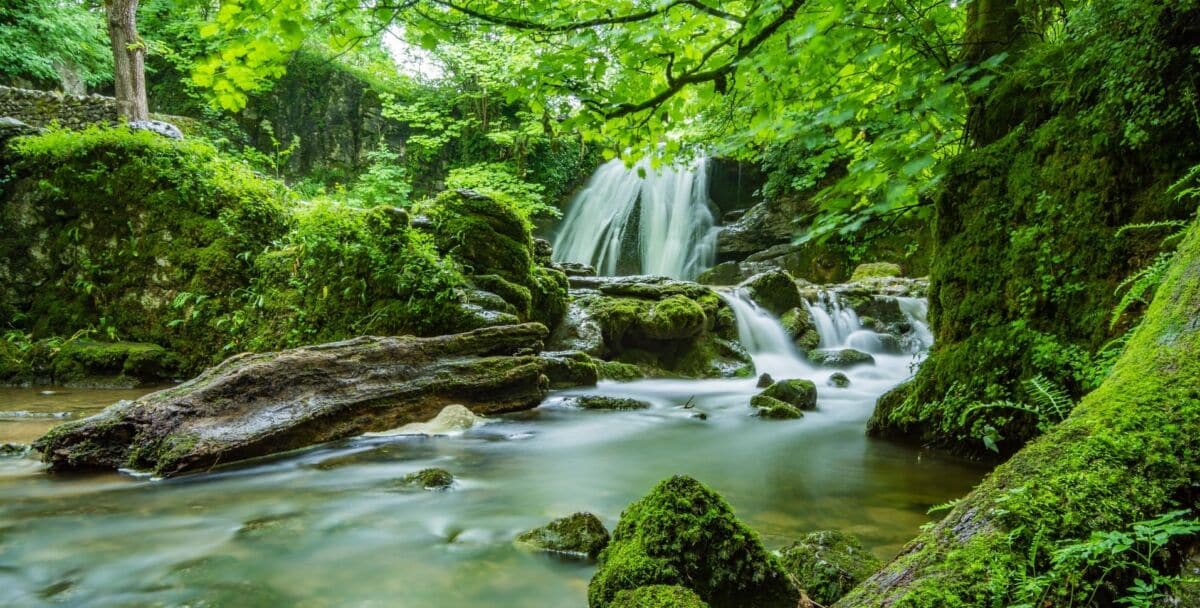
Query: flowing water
[[641, 220], [330, 526]]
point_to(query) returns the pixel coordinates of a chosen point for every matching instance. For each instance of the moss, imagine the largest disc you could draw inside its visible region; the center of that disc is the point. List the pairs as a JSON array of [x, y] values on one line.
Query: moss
[[799, 324], [774, 290], [15, 367], [600, 402], [658, 596], [674, 318], [876, 270], [579, 533], [615, 370], [430, 479], [828, 564], [774, 409], [799, 393], [85, 362], [842, 358], [683, 533]]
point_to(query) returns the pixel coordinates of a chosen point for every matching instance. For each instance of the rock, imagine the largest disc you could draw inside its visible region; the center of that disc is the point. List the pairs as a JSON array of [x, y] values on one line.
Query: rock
[[658, 596], [87, 363], [765, 380], [774, 290], [566, 369], [430, 479], [798, 393], [11, 127], [774, 409], [827, 564], [615, 370], [257, 404], [699, 415], [578, 331], [876, 270], [580, 534], [542, 251], [677, 317], [725, 273], [575, 269], [683, 533], [452, 420], [839, 380], [14, 450], [799, 324], [600, 402], [844, 358], [157, 127]]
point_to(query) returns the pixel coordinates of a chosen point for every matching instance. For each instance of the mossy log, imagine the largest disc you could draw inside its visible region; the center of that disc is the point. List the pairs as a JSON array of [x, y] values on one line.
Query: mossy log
[[258, 404], [1129, 451]]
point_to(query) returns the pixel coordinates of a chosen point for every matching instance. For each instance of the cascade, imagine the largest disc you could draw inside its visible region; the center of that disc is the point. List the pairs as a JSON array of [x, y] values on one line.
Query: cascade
[[763, 336], [669, 206], [835, 323]]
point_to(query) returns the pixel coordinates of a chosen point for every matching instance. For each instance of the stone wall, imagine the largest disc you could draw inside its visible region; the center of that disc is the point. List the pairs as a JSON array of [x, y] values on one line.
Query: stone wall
[[41, 108]]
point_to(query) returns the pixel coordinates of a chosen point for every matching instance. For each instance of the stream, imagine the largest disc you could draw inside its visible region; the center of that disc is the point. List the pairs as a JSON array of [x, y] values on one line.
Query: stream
[[332, 525]]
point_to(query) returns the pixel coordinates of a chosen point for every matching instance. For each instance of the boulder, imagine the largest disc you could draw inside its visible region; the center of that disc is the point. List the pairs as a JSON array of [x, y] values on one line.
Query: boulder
[[429, 479], [601, 402], [799, 324], [827, 564], [658, 596], [839, 380], [843, 358], [579, 534], [453, 419], [92, 364], [764, 381], [258, 404], [725, 273], [157, 127], [876, 270], [774, 409], [683, 533], [774, 290], [798, 393]]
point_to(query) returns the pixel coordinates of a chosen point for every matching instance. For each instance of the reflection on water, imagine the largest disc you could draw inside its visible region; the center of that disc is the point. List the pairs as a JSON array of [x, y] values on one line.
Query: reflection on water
[[330, 526]]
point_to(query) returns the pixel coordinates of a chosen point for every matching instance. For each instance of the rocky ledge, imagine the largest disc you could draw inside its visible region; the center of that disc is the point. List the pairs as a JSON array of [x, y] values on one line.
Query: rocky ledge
[[254, 405]]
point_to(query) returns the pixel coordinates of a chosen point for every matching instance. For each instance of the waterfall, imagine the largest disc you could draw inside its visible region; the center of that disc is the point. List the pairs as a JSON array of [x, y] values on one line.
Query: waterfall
[[917, 311], [835, 323], [762, 335], [676, 234]]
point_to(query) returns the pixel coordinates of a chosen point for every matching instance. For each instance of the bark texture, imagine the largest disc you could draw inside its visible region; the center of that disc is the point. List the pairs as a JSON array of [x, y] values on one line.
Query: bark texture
[[129, 60]]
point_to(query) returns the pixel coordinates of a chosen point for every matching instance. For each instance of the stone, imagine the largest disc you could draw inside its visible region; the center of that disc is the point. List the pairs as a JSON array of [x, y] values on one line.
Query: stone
[[725, 273], [600, 402], [658, 596], [453, 419], [876, 270], [798, 393], [683, 533], [542, 251], [839, 380], [842, 358], [158, 127], [580, 534], [774, 290], [84, 363], [575, 269], [765, 380], [258, 404], [828, 564], [774, 409], [799, 324], [430, 479], [11, 127]]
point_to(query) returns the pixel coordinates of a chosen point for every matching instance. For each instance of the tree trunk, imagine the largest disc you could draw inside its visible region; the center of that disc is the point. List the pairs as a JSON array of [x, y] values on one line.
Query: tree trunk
[[129, 60], [1130, 451]]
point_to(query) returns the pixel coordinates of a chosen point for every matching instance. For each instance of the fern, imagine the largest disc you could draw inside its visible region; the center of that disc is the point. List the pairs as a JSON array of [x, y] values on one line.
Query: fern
[[1140, 286], [1177, 224], [1050, 399]]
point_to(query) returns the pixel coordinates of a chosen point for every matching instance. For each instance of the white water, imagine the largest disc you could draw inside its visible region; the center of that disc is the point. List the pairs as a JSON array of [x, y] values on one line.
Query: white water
[[765, 339], [676, 234], [835, 323]]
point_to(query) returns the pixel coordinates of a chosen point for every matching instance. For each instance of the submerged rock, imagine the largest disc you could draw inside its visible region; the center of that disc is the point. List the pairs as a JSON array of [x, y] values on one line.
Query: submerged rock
[[764, 381], [600, 402], [453, 419], [14, 450], [843, 358], [430, 479], [658, 596], [828, 564], [580, 534], [683, 533], [257, 404]]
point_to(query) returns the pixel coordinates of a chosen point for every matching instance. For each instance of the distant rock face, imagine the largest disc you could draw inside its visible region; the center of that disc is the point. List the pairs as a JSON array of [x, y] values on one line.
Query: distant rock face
[[580, 534], [257, 404]]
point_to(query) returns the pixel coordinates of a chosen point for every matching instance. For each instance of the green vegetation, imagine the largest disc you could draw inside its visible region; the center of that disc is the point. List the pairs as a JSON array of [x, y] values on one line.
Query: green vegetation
[[579, 533], [827, 564]]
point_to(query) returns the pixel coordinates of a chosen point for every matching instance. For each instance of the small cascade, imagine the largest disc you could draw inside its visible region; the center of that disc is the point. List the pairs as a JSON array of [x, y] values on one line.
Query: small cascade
[[917, 312], [836, 324], [675, 230], [762, 335]]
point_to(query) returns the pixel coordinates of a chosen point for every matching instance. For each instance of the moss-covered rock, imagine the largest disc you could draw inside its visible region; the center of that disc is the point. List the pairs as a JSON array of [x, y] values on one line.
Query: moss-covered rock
[[774, 290], [86, 363], [827, 564], [658, 596], [799, 393], [840, 358], [683, 533], [876, 270], [774, 409], [430, 479], [615, 370], [799, 324], [839, 380], [601, 402], [579, 534]]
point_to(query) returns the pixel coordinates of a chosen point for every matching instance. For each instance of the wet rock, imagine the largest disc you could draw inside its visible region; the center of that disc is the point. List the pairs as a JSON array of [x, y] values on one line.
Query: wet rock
[[578, 331], [87, 363], [430, 479], [579, 534], [828, 564], [839, 380], [158, 127], [699, 415], [843, 358], [765, 380], [257, 404], [683, 533], [14, 450], [725, 273], [453, 419], [621, 372], [799, 324], [774, 409], [876, 270], [658, 596], [542, 251], [575, 269], [798, 393], [11, 127], [600, 402], [774, 290], [566, 369]]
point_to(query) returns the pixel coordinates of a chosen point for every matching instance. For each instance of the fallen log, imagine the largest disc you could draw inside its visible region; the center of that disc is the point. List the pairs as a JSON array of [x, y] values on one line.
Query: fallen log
[[258, 404]]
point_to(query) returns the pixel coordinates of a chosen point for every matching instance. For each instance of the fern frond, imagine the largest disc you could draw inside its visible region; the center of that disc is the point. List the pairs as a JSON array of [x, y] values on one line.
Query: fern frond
[[1139, 285], [1049, 398], [1151, 226]]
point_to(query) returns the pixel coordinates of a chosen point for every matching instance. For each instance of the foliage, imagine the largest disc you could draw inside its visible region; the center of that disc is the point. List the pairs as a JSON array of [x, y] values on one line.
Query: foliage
[[38, 37], [499, 180], [385, 181], [1047, 403]]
